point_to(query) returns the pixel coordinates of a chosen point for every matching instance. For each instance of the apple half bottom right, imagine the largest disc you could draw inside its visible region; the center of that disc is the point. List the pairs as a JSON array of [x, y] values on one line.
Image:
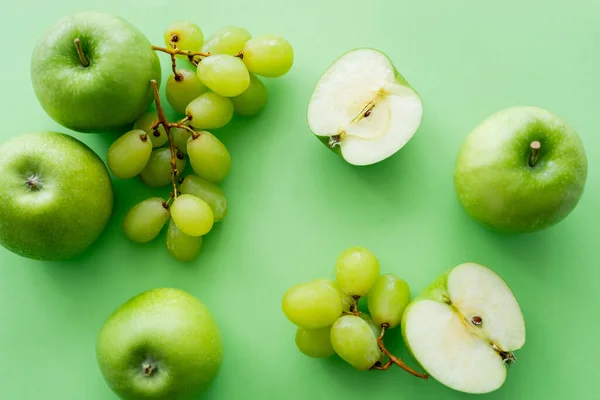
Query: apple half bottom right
[[521, 170], [464, 328]]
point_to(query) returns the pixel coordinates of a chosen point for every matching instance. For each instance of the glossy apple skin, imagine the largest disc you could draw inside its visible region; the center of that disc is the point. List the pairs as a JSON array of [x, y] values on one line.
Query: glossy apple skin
[[169, 329], [71, 206], [109, 94], [495, 183]]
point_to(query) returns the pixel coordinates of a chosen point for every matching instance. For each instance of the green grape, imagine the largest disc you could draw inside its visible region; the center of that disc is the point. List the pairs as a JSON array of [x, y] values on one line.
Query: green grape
[[227, 40], [145, 220], [347, 301], [356, 270], [193, 216], [182, 247], [145, 121], [180, 137], [209, 111], [355, 342], [387, 300], [185, 35], [224, 74], [314, 342], [207, 191], [312, 305], [209, 157], [252, 100], [129, 154], [369, 320], [157, 172], [268, 55], [182, 90]]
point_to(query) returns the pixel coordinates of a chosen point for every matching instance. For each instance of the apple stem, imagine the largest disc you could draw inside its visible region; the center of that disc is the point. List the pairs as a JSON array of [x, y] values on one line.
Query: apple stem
[[535, 147], [84, 61], [393, 359]]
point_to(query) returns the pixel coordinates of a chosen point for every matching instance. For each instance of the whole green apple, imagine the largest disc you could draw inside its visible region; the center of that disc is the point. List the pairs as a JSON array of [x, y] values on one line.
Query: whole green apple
[[523, 169], [91, 72], [56, 196], [162, 344]]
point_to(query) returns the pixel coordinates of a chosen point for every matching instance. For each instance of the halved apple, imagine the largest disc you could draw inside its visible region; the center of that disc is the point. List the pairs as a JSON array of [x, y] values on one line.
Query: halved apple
[[464, 328], [363, 108]]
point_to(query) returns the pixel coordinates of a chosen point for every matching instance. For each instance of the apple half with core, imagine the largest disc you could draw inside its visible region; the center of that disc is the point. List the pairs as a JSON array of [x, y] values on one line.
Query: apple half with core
[[56, 196], [363, 109], [464, 328], [162, 344], [521, 170], [91, 72]]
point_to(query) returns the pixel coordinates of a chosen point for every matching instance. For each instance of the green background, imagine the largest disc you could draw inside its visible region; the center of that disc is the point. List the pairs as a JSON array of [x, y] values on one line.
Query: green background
[[293, 205]]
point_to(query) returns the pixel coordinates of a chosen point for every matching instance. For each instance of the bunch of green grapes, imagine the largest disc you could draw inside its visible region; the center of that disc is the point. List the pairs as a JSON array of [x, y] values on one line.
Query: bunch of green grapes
[[226, 76], [225, 81], [328, 321]]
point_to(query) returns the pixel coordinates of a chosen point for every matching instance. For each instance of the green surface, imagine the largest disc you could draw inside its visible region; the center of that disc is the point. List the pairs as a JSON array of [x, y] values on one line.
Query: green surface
[[293, 205]]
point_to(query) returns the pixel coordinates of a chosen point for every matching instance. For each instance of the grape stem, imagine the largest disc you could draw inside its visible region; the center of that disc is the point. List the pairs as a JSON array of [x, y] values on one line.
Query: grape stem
[[355, 305], [162, 120], [187, 128], [176, 51], [393, 359]]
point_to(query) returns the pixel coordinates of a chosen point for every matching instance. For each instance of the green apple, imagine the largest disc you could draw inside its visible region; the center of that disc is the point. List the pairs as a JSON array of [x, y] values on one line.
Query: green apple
[[464, 328], [56, 196], [363, 109], [91, 72], [162, 344], [521, 170]]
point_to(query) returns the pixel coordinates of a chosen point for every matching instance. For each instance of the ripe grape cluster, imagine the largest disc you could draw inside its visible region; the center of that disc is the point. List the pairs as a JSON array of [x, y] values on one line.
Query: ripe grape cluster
[[328, 318], [220, 79]]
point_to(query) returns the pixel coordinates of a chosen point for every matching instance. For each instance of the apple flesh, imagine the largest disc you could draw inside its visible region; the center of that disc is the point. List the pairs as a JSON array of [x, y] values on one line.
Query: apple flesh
[[464, 329], [107, 87], [521, 170], [363, 108], [56, 196], [162, 344]]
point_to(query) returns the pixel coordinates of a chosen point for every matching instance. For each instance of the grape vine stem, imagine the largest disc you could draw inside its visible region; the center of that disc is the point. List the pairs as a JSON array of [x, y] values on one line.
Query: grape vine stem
[[162, 120], [175, 52], [393, 359]]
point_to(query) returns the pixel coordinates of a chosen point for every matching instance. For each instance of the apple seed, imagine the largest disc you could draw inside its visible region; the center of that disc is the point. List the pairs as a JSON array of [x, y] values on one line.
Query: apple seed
[[476, 320]]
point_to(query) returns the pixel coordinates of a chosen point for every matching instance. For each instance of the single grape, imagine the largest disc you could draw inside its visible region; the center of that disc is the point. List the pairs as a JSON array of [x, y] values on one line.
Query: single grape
[[209, 157], [224, 74], [184, 88], [356, 270], [347, 301], [129, 154], [193, 216], [227, 40], [209, 111], [314, 342], [145, 121], [311, 305], [145, 220], [369, 320], [182, 247], [180, 137], [387, 300], [355, 342], [252, 100], [207, 191], [157, 172], [268, 55], [184, 35]]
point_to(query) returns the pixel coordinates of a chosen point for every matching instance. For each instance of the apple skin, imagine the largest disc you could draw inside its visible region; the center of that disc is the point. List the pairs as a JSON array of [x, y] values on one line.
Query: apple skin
[[70, 209], [497, 187], [172, 331], [109, 94]]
